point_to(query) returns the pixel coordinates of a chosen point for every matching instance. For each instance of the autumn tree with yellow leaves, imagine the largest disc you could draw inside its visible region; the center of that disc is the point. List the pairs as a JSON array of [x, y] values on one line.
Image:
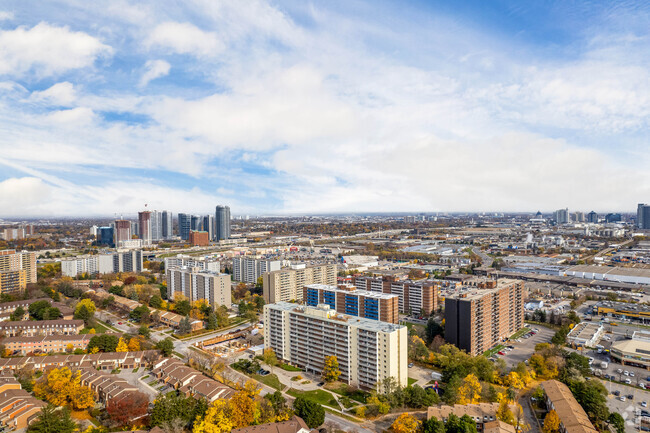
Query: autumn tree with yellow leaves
[[134, 344], [121, 346], [551, 422], [61, 386], [469, 391], [331, 370], [406, 423]]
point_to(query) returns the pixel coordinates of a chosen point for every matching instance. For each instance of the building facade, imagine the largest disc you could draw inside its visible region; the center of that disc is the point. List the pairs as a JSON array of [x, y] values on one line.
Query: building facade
[[106, 236], [195, 284], [249, 269], [478, 318], [286, 284], [184, 225], [121, 261], [347, 299], [17, 269], [122, 231], [204, 263], [167, 225], [367, 351], [643, 216], [144, 222], [222, 222]]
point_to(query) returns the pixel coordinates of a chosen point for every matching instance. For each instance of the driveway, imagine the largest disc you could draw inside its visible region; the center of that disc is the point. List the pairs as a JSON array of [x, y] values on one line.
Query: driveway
[[526, 347]]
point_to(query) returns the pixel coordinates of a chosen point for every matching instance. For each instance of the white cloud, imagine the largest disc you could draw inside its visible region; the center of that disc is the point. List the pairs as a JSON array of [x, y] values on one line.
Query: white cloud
[[23, 196], [62, 94], [154, 69], [6, 15], [47, 50], [185, 38]]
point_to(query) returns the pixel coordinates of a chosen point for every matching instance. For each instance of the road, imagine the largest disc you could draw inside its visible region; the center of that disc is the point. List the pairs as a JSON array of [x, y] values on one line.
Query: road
[[486, 261]]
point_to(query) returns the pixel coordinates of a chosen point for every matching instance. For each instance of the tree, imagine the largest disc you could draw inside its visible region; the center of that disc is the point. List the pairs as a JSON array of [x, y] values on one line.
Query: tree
[[464, 424], [433, 425], [52, 420], [37, 308], [171, 407], [128, 409], [470, 390], [166, 346], [311, 412], [140, 314], [134, 344], [85, 310], [144, 331], [617, 421], [216, 420], [60, 386], [212, 321], [82, 397], [103, 343], [51, 313], [331, 370], [503, 412], [405, 423], [17, 314], [184, 326], [183, 307], [155, 301], [268, 356], [121, 346], [433, 329], [551, 422]]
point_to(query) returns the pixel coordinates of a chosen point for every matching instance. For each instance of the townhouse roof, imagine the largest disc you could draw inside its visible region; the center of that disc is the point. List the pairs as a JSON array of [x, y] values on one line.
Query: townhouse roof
[[571, 414], [293, 425]]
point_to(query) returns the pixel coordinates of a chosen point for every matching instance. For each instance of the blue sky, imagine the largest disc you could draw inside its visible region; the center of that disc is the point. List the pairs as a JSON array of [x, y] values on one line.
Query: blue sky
[[318, 107]]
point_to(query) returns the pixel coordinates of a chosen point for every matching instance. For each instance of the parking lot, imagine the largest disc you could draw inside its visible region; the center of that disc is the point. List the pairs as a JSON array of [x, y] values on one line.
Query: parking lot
[[630, 408], [525, 347]]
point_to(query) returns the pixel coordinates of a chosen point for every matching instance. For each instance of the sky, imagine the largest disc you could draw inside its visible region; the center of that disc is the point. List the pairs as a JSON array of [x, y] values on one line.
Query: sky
[[323, 107]]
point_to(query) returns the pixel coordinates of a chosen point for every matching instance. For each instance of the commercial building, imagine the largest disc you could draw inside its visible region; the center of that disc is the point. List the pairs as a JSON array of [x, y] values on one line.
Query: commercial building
[[479, 318], [196, 284], [199, 239], [592, 217], [585, 334], [122, 231], [286, 284], [204, 263], [625, 310], [348, 300], [184, 225], [608, 273], [222, 222], [106, 236], [30, 328], [635, 351], [367, 351], [249, 269], [121, 261], [573, 418], [17, 269]]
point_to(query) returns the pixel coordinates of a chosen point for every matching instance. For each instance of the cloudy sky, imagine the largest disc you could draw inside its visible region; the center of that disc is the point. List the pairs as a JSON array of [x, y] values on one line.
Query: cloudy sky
[[315, 107]]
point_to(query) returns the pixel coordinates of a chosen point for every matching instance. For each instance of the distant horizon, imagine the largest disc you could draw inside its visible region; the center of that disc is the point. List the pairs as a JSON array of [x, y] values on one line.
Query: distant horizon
[[287, 107]]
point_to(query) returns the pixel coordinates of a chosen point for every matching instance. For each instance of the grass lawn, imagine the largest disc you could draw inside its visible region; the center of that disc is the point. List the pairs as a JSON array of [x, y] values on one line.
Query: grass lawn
[[519, 333], [287, 367], [144, 377], [492, 351], [269, 380], [411, 381], [348, 391], [180, 355], [318, 395], [99, 329], [135, 370]]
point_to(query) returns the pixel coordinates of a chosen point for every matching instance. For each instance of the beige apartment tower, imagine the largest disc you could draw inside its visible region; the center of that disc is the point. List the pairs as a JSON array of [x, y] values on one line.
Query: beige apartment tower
[[479, 318], [368, 351], [16, 270], [286, 284], [195, 284]]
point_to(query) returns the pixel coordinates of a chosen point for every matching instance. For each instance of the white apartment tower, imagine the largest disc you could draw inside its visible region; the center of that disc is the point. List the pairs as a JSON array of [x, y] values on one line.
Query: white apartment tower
[[249, 269]]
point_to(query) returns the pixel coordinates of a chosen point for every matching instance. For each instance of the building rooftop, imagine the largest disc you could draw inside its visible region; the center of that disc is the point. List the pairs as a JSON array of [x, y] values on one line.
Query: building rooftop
[[324, 312], [354, 291], [624, 306]]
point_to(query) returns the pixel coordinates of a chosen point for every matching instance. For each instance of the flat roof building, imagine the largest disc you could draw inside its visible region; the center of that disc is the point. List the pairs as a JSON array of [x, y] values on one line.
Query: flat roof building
[[286, 284], [196, 284], [249, 269], [585, 334], [479, 318], [347, 299], [368, 351]]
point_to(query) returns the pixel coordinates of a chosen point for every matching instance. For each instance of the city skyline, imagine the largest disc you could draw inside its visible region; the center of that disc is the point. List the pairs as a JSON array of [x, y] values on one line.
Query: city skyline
[[297, 108]]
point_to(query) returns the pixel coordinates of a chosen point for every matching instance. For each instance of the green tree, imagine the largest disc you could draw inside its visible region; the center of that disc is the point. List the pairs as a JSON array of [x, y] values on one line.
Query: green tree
[[464, 424], [592, 396], [171, 407], [183, 307], [311, 412], [212, 321], [104, 343], [433, 425], [51, 420], [83, 313], [37, 308], [184, 326], [140, 314], [166, 346], [144, 331], [617, 421], [51, 313], [155, 301], [433, 329], [17, 314]]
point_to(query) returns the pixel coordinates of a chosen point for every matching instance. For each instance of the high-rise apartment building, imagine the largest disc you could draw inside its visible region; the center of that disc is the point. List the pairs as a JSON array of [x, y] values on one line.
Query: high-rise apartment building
[[579, 217], [367, 351], [479, 318], [156, 226], [592, 217], [196, 223], [105, 236], [208, 225], [17, 269], [167, 225], [184, 225], [203, 263], [249, 269], [643, 216], [122, 231], [222, 222], [195, 284], [121, 261], [286, 284], [347, 299], [415, 297], [562, 216], [144, 222]]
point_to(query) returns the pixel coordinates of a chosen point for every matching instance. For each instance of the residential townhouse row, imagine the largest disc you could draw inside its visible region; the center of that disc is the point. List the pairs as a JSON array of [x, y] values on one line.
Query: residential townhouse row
[[18, 408], [7, 308], [189, 381], [101, 361], [45, 344], [107, 386], [30, 328]]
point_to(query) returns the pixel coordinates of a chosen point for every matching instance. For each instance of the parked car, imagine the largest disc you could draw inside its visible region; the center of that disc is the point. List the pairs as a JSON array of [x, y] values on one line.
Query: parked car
[[320, 384], [630, 397], [627, 373], [617, 393], [631, 374], [410, 365], [622, 398], [502, 353], [644, 404], [628, 381]]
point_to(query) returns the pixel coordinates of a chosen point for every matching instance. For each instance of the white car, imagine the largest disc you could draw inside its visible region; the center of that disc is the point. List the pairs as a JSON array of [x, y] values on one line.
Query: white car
[[622, 398], [628, 381], [627, 373], [619, 371], [631, 374], [644, 404]]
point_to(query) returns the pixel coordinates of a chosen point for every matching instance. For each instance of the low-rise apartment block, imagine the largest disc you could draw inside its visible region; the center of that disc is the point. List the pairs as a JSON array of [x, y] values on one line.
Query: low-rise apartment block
[[46, 344], [478, 318], [286, 284], [347, 299], [18, 408], [368, 351], [199, 239], [485, 415], [196, 284], [415, 297], [31, 328], [98, 361], [573, 418], [107, 386], [249, 269]]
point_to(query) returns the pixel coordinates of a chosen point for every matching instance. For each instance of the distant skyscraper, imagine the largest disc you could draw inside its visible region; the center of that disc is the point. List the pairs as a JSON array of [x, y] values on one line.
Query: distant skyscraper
[[122, 231], [562, 216], [613, 218], [579, 217], [222, 221], [184, 225], [643, 216], [167, 225], [196, 223], [144, 220], [592, 217], [208, 226], [105, 236], [156, 225]]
